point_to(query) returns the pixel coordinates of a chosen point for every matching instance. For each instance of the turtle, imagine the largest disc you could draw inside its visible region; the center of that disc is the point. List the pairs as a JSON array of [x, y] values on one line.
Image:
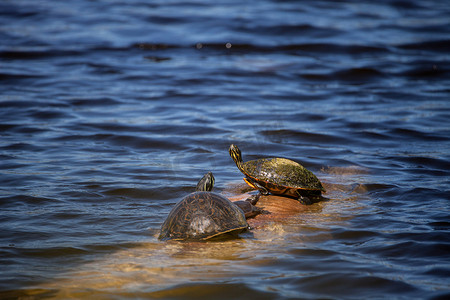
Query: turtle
[[204, 215], [279, 176]]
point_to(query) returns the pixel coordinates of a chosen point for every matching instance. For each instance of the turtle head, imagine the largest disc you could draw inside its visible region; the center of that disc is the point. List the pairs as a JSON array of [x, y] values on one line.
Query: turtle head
[[206, 184], [235, 154]]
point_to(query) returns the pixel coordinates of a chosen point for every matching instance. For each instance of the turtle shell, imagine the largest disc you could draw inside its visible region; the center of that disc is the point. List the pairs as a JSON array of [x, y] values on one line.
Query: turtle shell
[[201, 216], [281, 176]]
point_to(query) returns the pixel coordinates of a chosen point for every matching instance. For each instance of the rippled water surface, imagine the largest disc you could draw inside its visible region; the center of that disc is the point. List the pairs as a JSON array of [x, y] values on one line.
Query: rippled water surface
[[110, 111]]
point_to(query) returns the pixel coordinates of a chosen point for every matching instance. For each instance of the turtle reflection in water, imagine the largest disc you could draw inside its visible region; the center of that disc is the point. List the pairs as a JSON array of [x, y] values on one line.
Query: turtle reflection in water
[[279, 176], [205, 215]]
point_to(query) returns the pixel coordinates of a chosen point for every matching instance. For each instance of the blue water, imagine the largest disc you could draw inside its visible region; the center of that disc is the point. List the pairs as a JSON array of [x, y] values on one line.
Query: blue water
[[110, 112]]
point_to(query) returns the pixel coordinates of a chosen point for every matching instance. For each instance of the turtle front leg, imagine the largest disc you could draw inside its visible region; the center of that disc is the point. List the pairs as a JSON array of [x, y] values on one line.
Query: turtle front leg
[[304, 200], [253, 199], [257, 186], [248, 206]]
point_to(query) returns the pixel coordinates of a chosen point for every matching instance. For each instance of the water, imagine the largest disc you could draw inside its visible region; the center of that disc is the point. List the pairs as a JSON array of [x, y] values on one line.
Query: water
[[112, 110]]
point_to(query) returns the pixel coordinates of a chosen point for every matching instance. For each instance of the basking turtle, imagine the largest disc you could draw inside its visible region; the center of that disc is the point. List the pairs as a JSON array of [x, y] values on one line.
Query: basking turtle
[[204, 215], [279, 176]]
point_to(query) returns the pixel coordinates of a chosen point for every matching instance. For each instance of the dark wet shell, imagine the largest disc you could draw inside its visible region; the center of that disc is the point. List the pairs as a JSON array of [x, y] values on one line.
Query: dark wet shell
[[202, 215], [282, 176]]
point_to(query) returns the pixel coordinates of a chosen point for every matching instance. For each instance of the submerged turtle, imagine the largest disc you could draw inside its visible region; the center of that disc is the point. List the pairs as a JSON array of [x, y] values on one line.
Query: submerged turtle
[[279, 176], [204, 215]]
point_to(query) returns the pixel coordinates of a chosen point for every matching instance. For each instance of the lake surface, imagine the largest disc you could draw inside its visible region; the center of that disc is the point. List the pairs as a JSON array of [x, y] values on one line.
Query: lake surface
[[111, 111]]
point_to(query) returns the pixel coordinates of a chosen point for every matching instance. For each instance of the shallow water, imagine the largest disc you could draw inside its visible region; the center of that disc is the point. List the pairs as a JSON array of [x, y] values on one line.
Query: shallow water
[[112, 110]]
